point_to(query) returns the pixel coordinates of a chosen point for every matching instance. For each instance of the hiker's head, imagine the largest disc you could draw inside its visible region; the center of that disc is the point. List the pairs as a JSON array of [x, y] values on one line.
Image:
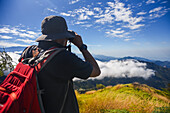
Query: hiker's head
[[54, 28]]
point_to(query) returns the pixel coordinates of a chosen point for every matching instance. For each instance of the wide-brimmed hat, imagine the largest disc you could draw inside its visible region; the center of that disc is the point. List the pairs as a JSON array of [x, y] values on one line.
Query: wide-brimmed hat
[[54, 27]]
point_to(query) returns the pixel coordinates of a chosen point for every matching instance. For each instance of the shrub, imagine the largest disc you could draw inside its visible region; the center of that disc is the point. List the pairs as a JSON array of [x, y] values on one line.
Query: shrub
[[100, 86], [5, 62]]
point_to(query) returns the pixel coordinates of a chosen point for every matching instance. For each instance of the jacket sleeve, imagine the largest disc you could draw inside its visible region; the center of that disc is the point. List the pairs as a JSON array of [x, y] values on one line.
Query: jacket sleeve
[[79, 68]]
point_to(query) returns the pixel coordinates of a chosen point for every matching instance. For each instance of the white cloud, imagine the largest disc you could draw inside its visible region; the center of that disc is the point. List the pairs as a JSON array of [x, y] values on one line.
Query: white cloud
[[65, 14], [99, 3], [118, 28], [98, 9], [18, 32], [90, 13], [22, 30], [164, 2], [150, 2], [25, 35], [26, 40], [116, 14], [14, 57], [158, 12], [117, 33], [52, 10], [121, 13], [83, 17], [152, 16], [106, 18], [79, 22], [136, 26], [30, 32], [7, 44], [5, 37], [87, 25], [124, 69], [155, 9], [128, 39], [116, 11], [82, 13], [141, 13], [111, 4], [74, 1], [4, 30]]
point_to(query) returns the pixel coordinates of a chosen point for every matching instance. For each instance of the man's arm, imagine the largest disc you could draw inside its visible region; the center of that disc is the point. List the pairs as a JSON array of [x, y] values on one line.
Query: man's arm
[[87, 56]]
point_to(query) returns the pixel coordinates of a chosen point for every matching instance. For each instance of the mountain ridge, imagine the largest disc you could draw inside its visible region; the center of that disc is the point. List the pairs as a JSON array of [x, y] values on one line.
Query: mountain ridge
[[157, 62], [13, 49], [160, 80]]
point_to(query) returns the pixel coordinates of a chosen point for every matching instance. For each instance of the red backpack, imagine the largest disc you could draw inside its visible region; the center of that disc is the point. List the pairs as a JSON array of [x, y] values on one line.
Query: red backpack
[[19, 92]]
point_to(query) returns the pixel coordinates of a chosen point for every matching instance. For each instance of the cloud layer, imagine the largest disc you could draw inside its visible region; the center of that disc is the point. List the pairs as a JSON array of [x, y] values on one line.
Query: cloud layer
[[110, 15], [124, 69], [114, 68]]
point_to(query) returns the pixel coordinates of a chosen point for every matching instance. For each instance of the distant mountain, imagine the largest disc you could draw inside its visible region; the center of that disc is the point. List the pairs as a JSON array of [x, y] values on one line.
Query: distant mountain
[[108, 58], [160, 80], [160, 63], [104, 58], [163, 63], [136, 58], [13, 49]]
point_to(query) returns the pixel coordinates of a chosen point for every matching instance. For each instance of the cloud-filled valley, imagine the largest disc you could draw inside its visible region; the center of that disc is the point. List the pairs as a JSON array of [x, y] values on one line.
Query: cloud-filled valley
[[124, 69], [114, 68]]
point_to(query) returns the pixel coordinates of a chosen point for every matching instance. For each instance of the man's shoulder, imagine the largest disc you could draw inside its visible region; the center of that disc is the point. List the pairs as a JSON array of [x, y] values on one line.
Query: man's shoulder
[[66, 55]]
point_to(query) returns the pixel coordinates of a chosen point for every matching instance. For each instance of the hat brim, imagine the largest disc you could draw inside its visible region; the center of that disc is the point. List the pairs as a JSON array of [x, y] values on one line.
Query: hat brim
[[52, 37]]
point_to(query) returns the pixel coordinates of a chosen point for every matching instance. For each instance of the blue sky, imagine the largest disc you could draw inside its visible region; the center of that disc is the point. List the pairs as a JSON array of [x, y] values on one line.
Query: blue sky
[[109, 27]]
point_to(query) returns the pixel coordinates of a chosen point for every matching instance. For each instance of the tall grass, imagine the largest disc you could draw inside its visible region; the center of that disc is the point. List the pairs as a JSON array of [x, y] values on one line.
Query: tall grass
[[122, 97]]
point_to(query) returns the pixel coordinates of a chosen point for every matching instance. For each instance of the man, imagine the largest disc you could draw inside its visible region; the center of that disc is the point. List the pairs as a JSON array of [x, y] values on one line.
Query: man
[[54, 79]]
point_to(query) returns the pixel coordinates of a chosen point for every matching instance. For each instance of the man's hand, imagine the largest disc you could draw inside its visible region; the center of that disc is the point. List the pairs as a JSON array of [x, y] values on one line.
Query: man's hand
[[77, 41]]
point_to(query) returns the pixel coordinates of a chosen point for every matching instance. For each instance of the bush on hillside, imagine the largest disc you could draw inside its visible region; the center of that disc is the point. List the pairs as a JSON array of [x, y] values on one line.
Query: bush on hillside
[[5, 62], [100, 86]]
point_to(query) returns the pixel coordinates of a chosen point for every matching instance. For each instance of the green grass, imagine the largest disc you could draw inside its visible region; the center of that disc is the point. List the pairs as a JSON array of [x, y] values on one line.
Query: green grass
[[114, 111], [162, 110], [123, 98]]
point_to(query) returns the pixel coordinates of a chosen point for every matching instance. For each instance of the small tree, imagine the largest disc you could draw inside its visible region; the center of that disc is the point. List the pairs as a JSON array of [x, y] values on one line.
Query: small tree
[[100, 86], [5, 62]]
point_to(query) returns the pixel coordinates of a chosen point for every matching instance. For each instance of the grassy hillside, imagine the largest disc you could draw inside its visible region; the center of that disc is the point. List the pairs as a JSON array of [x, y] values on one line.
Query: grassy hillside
[[124, 98]]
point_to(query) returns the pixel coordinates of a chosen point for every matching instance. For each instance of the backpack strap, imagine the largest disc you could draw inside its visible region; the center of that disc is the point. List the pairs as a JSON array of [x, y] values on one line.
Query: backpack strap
[[65, 96], [49, 56], [44, 55], [39, 93]]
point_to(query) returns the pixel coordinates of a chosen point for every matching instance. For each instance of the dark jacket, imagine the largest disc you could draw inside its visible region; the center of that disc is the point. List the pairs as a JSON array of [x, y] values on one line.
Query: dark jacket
[[53, 79]]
